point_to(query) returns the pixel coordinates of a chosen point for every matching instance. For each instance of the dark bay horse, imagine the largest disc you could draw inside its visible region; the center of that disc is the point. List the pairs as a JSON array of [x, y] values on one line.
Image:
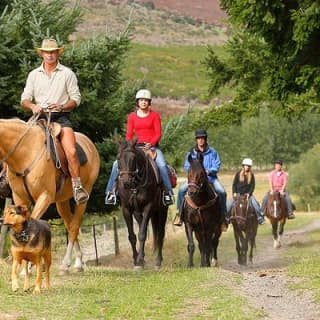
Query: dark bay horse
[[245, 226], [276, 211], [141, 197], [35, 180], [201, 214]]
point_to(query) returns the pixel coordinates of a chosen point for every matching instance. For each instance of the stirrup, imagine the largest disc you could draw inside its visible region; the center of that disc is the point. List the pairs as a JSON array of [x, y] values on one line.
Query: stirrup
[[177, 220], [80, 195], [167, 199]]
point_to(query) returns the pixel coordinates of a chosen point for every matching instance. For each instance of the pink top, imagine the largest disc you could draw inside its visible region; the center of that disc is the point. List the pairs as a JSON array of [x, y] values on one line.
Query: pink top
[[278, 179], [147, 129]]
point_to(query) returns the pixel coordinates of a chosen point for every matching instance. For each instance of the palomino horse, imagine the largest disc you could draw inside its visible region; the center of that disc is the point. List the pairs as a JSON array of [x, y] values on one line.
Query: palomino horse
[[275, 210], [34, 179], [245, 226], [141, 197], [201, 214]]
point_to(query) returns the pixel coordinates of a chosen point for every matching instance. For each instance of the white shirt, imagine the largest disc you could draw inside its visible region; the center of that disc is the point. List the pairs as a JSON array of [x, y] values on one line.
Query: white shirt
[[59, 88]]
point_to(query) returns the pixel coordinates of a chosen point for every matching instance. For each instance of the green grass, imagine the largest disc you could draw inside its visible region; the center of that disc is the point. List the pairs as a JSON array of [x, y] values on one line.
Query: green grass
[[305, 261], [100, 293], [171, 71]]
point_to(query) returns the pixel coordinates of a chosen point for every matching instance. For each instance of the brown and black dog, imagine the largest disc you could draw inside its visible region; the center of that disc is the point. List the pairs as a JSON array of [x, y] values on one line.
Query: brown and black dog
[[31, 241]]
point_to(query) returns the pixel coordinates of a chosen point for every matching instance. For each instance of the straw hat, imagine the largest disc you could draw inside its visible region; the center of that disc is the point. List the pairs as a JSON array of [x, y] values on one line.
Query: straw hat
[[49, 45]]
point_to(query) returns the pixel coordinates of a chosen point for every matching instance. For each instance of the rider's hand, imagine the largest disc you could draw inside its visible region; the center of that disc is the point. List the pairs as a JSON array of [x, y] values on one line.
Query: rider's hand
[[55, 107], [36, 108], [147, 146]]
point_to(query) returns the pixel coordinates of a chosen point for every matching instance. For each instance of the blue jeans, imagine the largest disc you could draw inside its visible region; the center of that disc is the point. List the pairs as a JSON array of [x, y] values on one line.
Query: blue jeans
[[218, 187], [286, 197], [253, 202], [161, 163]]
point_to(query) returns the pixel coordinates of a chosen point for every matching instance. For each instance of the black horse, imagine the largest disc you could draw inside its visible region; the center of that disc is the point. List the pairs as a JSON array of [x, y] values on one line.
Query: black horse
[[141, 197], [201, 214], [276, 212], [245, 226]]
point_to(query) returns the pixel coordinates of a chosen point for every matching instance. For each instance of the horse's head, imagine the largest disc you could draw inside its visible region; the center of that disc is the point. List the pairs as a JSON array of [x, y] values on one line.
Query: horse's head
[[275, 205], [197, 177], [241, 209], [130, 163]]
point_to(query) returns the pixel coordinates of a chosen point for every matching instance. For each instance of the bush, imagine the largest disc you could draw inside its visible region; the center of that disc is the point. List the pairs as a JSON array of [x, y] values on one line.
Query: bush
[[304, 179]]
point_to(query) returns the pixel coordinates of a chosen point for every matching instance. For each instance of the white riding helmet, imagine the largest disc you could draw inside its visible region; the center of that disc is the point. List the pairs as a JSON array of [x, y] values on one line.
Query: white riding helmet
[[143, 94], [247, 162]]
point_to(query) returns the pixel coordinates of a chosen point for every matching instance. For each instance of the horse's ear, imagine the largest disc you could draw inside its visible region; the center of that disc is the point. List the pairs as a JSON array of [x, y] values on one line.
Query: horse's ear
[[116, 140], [134, 140], [190, 157], [200, 157]]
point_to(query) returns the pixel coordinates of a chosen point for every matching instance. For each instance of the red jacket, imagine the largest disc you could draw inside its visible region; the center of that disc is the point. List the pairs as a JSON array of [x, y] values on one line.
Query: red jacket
[[147, 129]]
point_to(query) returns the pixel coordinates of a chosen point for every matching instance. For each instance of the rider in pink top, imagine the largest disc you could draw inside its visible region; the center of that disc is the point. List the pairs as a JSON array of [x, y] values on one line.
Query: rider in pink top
[[278, 180]]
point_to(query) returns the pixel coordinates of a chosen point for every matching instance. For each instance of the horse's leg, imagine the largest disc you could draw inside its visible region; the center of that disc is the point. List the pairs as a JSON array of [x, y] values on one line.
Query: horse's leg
[[208, 249], [142, 236], [245, 249], [131, 235], [202, 249], [159, 227], [275, 235], [41, 205], [215, 243], [281, 229], [237, 240], [190, 247], [72, 224]]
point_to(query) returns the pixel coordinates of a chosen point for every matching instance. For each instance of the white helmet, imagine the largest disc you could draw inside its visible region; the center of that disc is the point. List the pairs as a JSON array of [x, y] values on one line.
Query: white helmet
[[143, 94], [247, 162]]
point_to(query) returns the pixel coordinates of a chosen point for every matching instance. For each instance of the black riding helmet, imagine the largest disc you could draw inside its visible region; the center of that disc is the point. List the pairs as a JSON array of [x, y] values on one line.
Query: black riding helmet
[[201, 133]]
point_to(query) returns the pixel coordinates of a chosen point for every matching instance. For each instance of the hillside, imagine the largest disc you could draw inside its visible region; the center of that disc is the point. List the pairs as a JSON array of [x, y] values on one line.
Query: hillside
[[158, 22], [203, 10]]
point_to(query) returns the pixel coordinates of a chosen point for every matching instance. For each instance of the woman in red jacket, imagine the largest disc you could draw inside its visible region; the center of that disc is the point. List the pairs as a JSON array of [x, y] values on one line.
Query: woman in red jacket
[[145, 124]]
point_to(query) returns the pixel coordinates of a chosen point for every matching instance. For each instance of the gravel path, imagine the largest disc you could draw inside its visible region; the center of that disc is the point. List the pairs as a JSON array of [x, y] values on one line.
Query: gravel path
[[266, 284]]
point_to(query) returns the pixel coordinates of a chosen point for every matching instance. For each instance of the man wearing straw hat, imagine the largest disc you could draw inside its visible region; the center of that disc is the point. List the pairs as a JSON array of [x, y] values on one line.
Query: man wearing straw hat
[[54, 86]]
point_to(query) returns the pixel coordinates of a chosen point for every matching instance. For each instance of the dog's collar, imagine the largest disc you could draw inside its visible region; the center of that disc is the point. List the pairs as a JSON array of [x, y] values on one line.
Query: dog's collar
[[23, 236]]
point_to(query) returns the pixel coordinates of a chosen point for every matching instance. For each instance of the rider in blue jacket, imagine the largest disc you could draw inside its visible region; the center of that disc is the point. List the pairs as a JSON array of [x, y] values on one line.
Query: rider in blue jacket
[[211, 163]]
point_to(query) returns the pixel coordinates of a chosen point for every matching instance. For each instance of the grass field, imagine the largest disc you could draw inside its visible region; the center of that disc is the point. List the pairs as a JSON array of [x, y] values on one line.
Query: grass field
[[171, 71], [114, 291]]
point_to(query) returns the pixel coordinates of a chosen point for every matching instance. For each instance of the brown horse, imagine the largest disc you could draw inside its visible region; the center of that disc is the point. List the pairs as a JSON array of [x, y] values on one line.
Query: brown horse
[[141, 197], [245, 226], [34, 179], [275, 210], [201, 214]]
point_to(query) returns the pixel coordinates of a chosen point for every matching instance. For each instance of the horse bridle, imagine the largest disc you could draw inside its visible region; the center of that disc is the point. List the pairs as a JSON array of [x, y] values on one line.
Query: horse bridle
[[135, 174]]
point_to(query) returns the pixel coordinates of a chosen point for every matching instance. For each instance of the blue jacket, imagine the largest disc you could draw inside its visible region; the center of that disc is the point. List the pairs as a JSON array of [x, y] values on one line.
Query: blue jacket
[[211, 162]]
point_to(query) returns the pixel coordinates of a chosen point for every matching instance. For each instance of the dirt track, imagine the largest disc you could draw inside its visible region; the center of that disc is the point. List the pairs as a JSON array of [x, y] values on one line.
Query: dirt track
[[266, 284]]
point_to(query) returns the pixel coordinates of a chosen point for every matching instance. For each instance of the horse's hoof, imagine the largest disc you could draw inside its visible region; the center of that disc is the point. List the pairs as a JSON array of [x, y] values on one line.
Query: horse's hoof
[[157, 267], [63, 272], [214, 263], [138, 268], [78, 269]]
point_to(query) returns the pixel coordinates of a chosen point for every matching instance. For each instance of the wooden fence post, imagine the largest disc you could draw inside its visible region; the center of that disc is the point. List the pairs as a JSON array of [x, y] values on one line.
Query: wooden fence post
[[4, 231], [116, 237]]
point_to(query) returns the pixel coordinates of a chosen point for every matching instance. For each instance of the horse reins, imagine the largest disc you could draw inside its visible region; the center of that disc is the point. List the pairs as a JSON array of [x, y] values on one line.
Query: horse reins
[[24, 174], [14, 148]]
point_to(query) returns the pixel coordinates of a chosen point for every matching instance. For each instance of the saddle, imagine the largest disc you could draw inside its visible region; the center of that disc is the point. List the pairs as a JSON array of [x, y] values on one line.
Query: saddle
[[55, 150]]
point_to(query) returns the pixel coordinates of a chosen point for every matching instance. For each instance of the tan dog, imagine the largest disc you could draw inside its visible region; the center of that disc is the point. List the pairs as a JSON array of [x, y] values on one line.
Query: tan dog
[[31, 241]]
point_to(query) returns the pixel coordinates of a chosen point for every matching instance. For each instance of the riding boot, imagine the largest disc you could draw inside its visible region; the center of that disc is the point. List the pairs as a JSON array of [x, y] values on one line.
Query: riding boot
[[291, 215], [80, 194], [224, 222], [178, 219]]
